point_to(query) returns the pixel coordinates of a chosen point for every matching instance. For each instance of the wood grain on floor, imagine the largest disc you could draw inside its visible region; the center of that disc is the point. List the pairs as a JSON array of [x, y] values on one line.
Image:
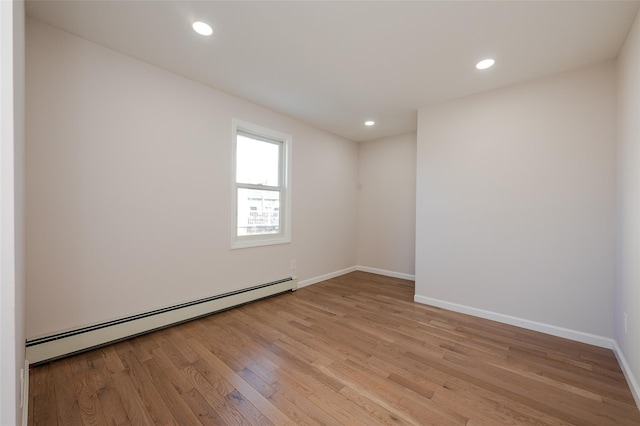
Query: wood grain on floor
[[354, 350]]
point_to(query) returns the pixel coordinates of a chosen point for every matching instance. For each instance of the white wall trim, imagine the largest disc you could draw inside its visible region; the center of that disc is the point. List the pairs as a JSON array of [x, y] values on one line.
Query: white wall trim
[[284, 188], [566, 333], [628, 374], [330, 275], [25, 393], [325, 277], [9, 312], [393, 274]]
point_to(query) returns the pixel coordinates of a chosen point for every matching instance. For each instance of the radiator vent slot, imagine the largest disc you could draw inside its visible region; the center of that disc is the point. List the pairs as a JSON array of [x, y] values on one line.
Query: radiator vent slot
[[58, 345]]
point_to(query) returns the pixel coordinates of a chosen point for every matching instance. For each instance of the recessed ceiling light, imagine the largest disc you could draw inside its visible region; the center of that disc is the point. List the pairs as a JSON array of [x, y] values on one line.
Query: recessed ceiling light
[[484, 64], [202, 28], [369, 123]]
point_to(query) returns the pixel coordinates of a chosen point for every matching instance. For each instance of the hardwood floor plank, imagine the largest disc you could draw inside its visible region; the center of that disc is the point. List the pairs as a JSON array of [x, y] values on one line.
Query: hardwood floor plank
[[42, 402], [237, 382], [207, 415], [260, 374], [112, 362], [174, 389], [68, 406], [382, 415], [145, 387], [216, 391], [113, 408], [366, 393], [529, 394], [352, 350], [230, 401], [136, 410], [90, 406]]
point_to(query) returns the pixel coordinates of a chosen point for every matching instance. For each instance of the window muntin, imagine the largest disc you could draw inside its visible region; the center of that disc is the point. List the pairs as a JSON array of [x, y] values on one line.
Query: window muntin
[[261, 188]]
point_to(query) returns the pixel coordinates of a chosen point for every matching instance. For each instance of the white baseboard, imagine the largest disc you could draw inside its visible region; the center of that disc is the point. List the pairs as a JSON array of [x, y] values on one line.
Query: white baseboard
[[330, 275], [393, 274], [325, 277], [566, 333], [628, 374]]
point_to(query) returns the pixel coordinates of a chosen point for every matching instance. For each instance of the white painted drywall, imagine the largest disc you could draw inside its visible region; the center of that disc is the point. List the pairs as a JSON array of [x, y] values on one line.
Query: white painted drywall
[[128, 188], [386, 204], [515, 201], [627, 290], [12, 327]]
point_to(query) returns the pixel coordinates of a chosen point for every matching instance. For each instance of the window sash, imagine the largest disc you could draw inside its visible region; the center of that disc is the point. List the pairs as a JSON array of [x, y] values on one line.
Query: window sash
[[283, 189], [281, 157], [259, 217]]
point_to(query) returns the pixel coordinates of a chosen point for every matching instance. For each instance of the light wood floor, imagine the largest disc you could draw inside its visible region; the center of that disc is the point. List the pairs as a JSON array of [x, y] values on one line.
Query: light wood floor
[[354, 350]]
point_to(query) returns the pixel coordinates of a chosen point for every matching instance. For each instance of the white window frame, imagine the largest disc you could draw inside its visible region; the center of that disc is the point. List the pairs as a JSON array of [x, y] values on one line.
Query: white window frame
[[284, 236]]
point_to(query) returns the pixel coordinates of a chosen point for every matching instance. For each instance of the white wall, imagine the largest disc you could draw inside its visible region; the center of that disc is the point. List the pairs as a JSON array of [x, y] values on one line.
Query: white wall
[[515, 204], [12, 328], [386, 204], [128, 188], [627, 291]]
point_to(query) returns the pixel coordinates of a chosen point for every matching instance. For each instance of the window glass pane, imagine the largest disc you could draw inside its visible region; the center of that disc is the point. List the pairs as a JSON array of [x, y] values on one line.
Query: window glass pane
[[257, 162], [258, 212]]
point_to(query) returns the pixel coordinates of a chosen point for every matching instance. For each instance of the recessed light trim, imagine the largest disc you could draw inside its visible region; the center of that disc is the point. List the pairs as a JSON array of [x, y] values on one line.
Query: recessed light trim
[[202, 28], [485, 63], [369, 123]]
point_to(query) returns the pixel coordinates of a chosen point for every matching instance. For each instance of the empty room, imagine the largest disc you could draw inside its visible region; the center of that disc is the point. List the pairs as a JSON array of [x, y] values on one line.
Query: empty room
[[320, 212]]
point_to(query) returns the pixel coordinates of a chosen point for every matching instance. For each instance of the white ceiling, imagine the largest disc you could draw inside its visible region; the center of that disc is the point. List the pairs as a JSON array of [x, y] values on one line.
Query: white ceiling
[[336, 64]]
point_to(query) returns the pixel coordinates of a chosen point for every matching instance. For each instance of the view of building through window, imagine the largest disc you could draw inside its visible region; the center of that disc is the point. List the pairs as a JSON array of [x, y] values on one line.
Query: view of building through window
[[258, 212]]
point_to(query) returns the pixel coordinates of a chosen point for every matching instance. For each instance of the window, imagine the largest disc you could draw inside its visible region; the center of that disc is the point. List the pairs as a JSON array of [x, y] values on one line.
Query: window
[[261, 186]]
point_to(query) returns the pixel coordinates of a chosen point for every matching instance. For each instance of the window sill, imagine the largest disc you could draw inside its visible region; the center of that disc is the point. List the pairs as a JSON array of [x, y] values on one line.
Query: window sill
[[259, 242]]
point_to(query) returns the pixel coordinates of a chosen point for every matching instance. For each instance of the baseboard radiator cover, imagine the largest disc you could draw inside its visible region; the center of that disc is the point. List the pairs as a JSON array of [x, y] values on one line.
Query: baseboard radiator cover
[[48, 348]]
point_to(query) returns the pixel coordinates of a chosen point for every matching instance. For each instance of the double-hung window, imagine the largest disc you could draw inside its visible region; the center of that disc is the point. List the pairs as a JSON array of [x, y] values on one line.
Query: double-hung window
[[262, 186]]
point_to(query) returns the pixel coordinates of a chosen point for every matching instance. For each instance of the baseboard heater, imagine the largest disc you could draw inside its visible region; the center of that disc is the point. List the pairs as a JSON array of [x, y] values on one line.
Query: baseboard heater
[[54, 346]]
